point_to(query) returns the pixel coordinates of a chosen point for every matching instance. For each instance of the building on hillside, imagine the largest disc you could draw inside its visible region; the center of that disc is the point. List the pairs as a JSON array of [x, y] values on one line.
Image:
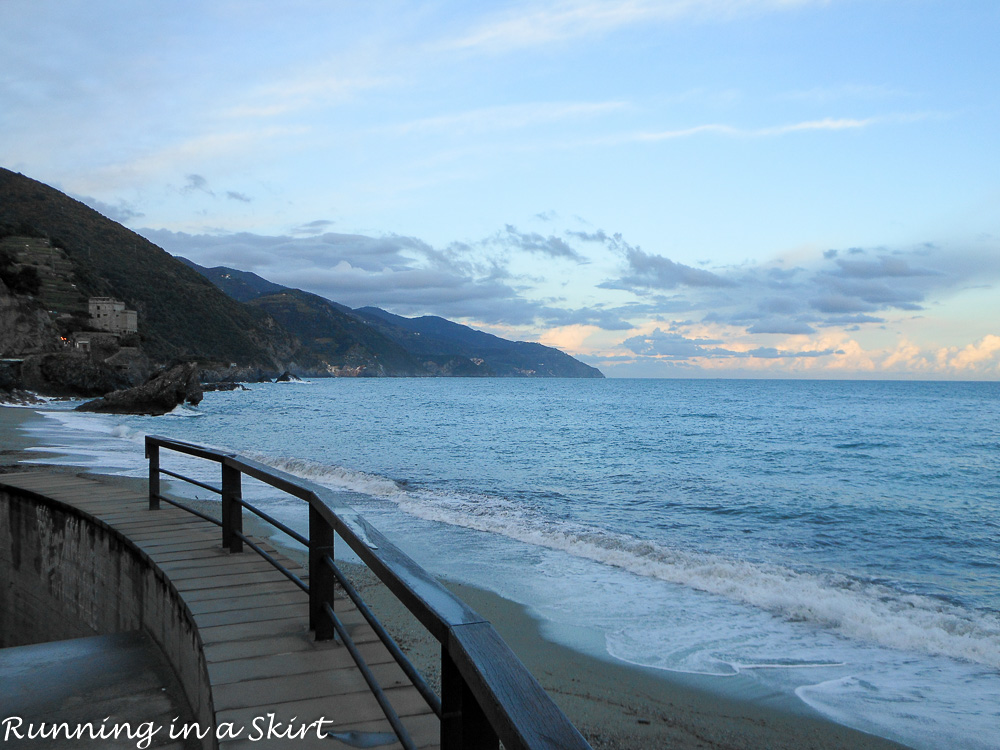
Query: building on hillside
[[99, 344], [109, 314]]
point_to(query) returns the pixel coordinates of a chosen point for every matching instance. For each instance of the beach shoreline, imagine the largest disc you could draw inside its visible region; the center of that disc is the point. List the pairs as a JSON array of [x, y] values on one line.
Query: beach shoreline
[[613, 703]]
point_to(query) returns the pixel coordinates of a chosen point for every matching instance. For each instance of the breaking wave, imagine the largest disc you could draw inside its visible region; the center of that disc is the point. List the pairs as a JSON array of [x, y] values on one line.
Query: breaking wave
[[847, 605]]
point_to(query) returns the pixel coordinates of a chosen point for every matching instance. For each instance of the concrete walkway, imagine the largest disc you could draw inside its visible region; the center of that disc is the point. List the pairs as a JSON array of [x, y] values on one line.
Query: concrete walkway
[[270, 680]]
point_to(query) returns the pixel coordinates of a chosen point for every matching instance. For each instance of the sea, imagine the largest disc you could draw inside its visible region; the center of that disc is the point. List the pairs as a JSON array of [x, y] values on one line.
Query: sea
[[836, 543]]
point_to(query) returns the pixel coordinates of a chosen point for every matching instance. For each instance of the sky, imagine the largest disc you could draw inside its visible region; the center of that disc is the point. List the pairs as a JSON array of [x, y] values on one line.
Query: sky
[[661, 188]]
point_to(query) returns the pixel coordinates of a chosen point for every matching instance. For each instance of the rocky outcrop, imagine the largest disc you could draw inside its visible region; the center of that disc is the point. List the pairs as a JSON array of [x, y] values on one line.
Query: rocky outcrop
[[70, 374], [234, 374], [160, 394], [132, 363], [25, 328], [223, 387], [287, 377]]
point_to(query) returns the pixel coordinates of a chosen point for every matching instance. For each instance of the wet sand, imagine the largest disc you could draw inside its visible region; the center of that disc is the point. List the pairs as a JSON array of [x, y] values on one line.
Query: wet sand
[[614, 704]]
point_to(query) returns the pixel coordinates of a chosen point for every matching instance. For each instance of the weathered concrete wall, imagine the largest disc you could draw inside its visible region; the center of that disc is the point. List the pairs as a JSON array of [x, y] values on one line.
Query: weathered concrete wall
[[64, 574]]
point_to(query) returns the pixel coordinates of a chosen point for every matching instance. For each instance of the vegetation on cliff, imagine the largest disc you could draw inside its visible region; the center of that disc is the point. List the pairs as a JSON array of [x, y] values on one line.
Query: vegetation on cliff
[[181, 314]]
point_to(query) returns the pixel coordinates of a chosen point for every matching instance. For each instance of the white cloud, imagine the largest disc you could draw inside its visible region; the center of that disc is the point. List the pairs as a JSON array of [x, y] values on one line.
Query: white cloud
[[981, 355], [572, 19]]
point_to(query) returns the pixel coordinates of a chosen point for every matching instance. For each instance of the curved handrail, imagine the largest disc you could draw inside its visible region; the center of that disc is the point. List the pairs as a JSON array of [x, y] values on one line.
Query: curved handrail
[[487, 692]]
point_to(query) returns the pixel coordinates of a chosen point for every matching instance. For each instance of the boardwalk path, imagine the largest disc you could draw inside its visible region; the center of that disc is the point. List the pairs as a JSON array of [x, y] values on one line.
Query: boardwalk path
[[253, 625]]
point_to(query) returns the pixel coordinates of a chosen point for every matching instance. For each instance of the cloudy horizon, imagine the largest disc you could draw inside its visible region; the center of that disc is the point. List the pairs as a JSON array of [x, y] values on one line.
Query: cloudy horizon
[[761, 188]]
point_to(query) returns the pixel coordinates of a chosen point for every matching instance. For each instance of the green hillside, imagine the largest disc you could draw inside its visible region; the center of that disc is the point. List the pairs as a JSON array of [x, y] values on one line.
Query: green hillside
[[181, 314], [332, 339]]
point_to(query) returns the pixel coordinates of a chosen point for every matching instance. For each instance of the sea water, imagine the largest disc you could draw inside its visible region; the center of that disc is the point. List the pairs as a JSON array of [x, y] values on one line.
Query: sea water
[[837, 543]]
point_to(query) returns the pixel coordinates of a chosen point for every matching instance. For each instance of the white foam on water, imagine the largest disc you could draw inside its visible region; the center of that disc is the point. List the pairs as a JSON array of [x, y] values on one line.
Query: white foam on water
[[183, 411], [851, 607], [909, 709], [848, 606], [335, 477]]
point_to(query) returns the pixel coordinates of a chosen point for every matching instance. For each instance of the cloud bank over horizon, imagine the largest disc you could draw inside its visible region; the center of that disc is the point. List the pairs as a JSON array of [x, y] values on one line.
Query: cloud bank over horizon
[[851, 312]]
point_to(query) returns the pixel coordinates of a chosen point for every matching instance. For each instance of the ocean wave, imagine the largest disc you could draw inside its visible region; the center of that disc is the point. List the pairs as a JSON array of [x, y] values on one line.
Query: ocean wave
[[862, 610], [336, 477], [124, 432], [183, 411]]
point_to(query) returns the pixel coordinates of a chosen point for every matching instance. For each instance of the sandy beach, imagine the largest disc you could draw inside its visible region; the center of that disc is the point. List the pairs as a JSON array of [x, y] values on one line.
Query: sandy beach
[[614, 704]]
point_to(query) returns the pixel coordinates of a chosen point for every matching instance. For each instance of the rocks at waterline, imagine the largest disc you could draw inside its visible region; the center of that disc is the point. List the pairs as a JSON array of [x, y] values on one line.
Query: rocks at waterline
[[162, 393]]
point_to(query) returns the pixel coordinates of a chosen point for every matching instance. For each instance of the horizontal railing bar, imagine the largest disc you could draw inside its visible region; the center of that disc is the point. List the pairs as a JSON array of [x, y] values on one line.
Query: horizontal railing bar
[[276, 523], [390, 643], [189, 480], [271, 559], [431, 603], [383, 701], [268, 475], [190, 449], [189, 509]]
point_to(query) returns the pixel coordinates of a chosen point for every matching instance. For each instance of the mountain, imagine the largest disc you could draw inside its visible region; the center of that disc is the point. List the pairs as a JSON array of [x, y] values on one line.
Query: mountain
[[378, 339], [242, 286], [434, 337], [181, 313], [332, 340]]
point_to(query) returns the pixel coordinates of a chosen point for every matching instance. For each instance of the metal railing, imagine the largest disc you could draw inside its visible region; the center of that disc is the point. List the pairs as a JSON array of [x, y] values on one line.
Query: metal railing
[[487, 695]]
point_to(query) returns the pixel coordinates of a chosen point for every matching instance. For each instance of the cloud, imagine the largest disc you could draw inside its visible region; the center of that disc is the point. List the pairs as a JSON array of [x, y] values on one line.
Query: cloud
[[123, 212], [313, 227], [884, 267], [604, 319], [778, 325], [552, 246], [569, 338], [401, 273], [840, 304], [599, 236], [647, 271], [984, 351], [706, 319], [196, 183], [849, 320], [768, 132], [670, 345], [234, 196], [546, 24]]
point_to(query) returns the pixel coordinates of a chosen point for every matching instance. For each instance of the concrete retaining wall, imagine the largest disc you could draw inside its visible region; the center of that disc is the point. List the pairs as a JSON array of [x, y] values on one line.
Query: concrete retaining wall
[[65, 574]]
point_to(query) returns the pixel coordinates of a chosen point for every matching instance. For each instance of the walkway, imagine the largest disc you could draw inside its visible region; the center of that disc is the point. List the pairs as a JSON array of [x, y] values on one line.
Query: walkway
[[267, 673]]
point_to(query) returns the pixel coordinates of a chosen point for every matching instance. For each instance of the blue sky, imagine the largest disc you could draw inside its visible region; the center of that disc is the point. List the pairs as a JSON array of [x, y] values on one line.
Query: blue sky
[[761, 188]]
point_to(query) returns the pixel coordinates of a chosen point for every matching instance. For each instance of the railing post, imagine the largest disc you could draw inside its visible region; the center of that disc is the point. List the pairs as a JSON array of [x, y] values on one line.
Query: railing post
[[232, 510], [321, 578], [463, 723], [153, 454]]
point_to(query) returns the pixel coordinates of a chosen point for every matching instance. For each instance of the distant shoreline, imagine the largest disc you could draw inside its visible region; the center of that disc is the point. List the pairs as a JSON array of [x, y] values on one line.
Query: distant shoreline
[[614, 704]]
